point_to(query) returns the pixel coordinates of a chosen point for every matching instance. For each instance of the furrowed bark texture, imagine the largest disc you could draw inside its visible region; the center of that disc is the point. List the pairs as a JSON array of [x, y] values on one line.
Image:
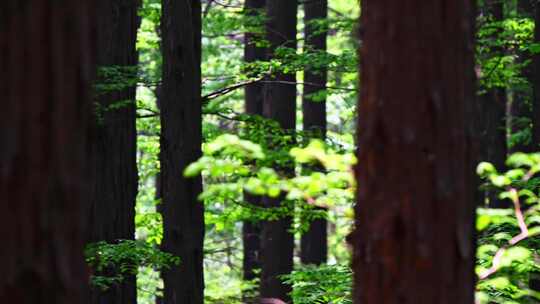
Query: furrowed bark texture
[[277, 243], [183, 216], [46, 60], [251, 231], [112, 212], [414, 241], [314, 247]]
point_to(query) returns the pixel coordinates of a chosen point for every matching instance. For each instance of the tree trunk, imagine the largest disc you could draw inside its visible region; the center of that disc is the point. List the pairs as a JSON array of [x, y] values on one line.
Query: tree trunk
[[522, 96], [534, 282], [492, 115], [313, 245], [536, 84], [112, 212], [252, 53], [277, 242], [46, 59], [415, 215], [251, 238], [251, 231], [181, 136]]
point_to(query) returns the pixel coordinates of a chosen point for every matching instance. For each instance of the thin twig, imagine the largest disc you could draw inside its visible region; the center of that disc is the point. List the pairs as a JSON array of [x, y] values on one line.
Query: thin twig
[[227, 90], [524, 233], [309, 84]]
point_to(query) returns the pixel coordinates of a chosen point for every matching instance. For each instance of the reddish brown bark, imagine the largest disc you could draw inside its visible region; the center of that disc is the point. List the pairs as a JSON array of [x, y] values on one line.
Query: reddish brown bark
[[181, 136], [45, 55], [414, 241], [112, 211]]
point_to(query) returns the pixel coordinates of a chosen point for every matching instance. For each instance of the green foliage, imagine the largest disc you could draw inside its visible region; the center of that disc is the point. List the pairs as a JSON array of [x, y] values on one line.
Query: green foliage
[[498, 44], [112, 262], [229, 168], [508, 246], [323, 284], [115, 78]]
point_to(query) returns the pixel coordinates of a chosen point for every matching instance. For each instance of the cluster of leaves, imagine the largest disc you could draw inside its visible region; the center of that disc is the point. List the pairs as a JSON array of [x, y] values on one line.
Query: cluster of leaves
[[230, 164], [503, 53], [501, 47], [322, 284], [111, 263], [508, 251], [114, 78]]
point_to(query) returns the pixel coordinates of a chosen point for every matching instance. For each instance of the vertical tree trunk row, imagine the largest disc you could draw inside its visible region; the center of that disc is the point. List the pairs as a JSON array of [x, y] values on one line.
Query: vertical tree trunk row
[[314, 247], [181, 136], [46, 55], [112, 211], [277, 242], [415, 214]]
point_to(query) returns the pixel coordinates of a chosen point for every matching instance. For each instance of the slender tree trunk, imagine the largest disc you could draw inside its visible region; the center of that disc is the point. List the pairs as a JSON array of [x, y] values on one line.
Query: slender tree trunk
[[522, 97], [252, 53], [252, 244], [534, 282], [314, 247], [253, 105], [46, 59], [183, 215], [414, 241], [536, 84], [158, 298], [277, 242], [112, 211], [492, 115], [158, 181]]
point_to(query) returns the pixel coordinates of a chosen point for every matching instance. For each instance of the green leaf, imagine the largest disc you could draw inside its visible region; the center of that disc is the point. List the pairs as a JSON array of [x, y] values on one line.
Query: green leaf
[[482, 222], [485, 168]]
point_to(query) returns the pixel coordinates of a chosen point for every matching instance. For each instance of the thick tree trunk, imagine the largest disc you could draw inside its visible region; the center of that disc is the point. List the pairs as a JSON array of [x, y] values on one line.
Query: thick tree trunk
[[181, 136], [314, 247], [46, 59], [112, 211], [251, 231], [414, 241], [277, 242]]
